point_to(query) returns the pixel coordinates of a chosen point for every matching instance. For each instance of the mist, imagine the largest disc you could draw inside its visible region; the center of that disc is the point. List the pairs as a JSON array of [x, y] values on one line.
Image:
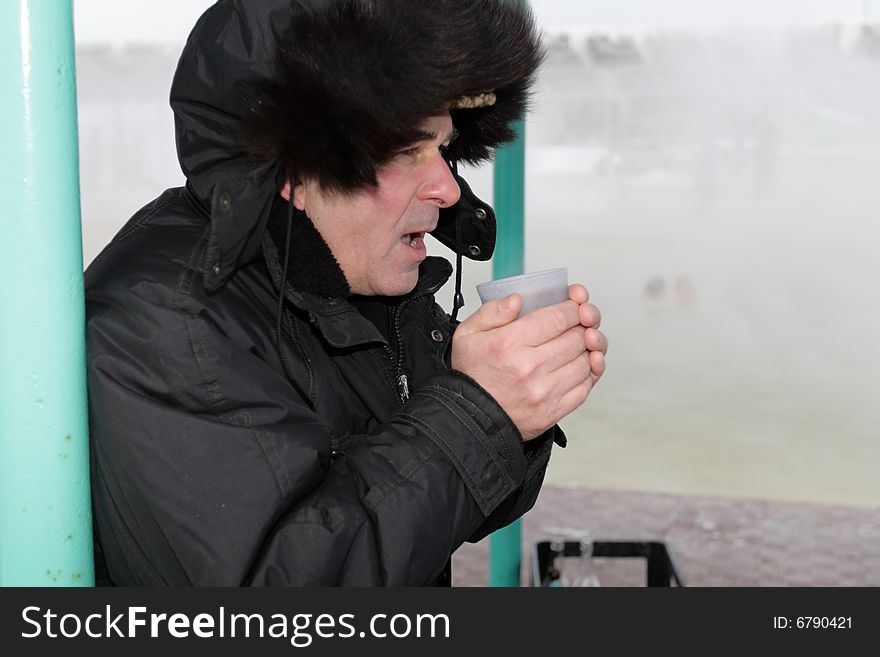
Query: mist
[[714, 190], [716, 193]]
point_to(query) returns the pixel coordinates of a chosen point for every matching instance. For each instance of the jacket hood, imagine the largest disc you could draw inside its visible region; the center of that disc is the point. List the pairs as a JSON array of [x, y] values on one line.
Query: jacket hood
[[236, 52]]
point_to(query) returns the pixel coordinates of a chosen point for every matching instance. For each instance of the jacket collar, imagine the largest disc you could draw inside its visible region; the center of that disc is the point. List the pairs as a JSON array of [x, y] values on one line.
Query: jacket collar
[[312, 266], [343, 326]]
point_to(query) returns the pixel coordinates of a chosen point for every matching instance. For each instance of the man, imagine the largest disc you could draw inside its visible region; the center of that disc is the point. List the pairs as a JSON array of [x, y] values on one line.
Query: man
[[275, 397]]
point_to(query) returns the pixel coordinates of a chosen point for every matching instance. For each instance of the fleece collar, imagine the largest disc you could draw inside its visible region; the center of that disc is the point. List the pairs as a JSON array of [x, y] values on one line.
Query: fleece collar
[[316, 284], [312, 267]]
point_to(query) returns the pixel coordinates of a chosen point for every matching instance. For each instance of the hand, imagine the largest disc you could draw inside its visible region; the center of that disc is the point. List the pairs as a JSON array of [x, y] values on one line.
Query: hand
[[539, 368]]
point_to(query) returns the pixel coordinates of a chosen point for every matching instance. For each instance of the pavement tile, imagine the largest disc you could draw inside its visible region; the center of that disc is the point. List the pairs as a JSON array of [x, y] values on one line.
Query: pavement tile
[[715, 541]]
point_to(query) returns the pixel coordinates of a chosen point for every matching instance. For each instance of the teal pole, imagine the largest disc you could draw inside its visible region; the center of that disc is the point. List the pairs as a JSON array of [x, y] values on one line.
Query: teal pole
[[45, 511], [505, 554], [509, 202]]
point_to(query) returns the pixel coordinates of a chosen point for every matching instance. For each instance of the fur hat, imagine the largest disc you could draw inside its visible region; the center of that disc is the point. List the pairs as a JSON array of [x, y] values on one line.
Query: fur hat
[[354, 79]]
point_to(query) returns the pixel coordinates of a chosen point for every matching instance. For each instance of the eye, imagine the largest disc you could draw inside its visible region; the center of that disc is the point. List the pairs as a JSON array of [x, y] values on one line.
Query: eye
[[407, 154]]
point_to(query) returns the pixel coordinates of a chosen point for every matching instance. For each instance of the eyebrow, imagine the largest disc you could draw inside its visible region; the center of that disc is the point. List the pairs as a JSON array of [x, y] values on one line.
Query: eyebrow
[[430, 136]]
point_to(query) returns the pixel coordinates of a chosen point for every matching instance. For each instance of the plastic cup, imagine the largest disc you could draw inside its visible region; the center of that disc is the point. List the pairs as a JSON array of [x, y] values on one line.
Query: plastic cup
[[538, 289]]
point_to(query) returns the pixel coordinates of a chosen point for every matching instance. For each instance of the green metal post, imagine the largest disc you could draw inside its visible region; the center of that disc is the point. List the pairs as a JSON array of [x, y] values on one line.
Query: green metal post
[[509, 203], [45, 512], [505, 554]]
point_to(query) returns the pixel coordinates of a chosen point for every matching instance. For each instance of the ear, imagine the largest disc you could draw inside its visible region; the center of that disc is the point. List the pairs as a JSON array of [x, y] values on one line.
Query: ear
[[299, 190]]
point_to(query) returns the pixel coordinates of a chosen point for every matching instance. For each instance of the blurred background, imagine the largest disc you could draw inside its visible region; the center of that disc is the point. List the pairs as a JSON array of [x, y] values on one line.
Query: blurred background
[[708, 170]]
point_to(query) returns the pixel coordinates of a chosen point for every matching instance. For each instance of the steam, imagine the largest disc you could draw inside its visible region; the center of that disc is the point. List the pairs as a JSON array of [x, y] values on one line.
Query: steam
[[717, 193]]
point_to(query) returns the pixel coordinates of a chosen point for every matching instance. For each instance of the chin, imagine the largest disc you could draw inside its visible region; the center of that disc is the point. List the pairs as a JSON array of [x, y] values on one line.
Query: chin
[[404, 284]]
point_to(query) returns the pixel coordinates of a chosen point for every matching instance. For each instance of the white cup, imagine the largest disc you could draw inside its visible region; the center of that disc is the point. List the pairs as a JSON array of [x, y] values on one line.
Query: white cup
[[538, 289]]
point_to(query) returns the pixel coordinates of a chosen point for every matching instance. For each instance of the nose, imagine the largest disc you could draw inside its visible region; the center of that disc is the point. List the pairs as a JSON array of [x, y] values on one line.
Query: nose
[[440, 186]]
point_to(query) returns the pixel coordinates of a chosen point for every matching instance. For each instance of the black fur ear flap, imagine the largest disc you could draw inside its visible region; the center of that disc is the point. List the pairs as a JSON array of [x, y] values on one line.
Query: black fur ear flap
[[355, 79]]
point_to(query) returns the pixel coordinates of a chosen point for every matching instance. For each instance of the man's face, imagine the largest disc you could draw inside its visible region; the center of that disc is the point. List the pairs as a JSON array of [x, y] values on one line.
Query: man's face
[[377, 234]]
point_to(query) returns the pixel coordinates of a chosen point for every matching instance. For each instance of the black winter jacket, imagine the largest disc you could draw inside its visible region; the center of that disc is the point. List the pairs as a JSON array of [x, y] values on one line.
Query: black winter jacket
[[227, 453]]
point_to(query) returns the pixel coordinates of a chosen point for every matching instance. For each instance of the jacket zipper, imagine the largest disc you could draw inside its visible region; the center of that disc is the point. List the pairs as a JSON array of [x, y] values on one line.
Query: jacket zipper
[[397, 380], [401, 379]]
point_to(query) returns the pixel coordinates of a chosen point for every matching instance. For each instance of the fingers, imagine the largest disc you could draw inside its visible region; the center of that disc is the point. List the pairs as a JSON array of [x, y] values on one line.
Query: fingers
[[572, 399], [559, 351], [575, 383], [545, 324], [589, 316], [492, 315], [575, 380], [578, 293], [597, 365], [575, 373], [553, 396], [568, 353], [595, 340]]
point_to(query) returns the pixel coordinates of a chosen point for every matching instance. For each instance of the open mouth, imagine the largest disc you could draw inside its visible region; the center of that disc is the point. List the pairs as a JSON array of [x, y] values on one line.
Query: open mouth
[[415, 240]]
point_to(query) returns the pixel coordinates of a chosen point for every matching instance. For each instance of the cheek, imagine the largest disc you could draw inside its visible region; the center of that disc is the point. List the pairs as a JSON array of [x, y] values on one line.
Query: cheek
[[397, 192]]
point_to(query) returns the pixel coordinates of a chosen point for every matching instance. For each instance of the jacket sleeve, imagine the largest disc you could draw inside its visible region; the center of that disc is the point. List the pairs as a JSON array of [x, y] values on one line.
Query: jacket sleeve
[[209, 469], [537, 456]]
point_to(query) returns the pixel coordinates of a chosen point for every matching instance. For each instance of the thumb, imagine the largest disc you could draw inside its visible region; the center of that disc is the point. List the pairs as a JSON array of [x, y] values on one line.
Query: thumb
[[493, 314]]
